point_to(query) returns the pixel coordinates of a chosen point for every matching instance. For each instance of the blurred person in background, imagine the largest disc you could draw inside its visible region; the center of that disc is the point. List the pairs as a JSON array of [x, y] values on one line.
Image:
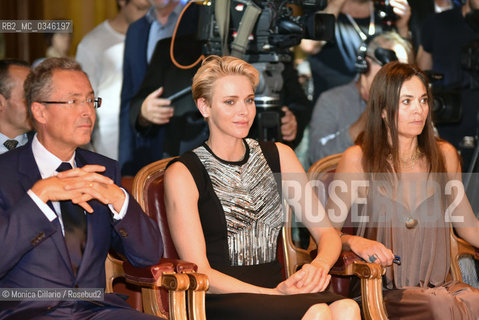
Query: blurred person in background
[[58, 46], [100, 53], [442, 51], [140, 43], [338, 115], [14, 121], [421, 10], [333, 63]]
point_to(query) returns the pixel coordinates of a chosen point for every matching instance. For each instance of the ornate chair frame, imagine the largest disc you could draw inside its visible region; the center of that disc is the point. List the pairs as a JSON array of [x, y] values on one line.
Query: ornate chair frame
[[196, 284], [163, 286]]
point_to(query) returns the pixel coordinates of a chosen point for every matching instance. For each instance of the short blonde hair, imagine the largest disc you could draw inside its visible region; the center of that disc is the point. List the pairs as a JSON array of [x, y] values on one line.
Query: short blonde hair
[[216, 67]]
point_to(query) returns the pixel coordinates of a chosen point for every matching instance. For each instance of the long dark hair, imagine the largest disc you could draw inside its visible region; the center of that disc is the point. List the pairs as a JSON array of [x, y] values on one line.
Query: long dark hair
[[384, 95]]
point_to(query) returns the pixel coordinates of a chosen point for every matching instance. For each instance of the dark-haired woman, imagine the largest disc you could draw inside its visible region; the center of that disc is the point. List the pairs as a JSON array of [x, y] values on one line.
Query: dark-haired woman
[[410, 185]]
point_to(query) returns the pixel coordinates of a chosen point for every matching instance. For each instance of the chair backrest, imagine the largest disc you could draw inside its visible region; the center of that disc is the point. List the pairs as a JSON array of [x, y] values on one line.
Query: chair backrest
[[322, 170], [324, 166], [459, 249], [115, 274], [148, 190]]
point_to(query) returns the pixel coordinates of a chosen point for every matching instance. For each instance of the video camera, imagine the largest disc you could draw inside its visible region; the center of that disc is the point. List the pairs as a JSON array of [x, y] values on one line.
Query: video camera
[[447, 104], [279, 25], [262, 32]]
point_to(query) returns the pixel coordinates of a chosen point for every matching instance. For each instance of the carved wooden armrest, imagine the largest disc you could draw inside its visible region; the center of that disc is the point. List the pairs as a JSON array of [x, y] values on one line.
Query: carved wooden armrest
[[350, 264], [162, 288], [175, 276], [181, 266], [150, 276], [147, 276]]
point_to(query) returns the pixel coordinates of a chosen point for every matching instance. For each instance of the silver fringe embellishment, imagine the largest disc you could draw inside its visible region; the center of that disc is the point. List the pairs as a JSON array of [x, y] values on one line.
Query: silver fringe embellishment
[[251, 203]]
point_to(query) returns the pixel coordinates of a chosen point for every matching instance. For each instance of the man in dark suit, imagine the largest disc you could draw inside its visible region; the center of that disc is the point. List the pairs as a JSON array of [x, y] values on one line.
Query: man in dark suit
[[135, 149], [14, 122], [184, 128], [56, 226]]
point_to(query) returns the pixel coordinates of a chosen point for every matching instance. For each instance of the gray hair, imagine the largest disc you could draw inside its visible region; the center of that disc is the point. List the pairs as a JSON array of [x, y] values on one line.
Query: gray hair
[[38, 84]]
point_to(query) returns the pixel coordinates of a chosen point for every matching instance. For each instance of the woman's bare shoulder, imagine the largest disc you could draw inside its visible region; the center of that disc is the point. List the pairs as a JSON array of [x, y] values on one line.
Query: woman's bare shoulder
[[351, 161], [446, 148], [177, 174], [450, 155], [354, 152], [176, 169]]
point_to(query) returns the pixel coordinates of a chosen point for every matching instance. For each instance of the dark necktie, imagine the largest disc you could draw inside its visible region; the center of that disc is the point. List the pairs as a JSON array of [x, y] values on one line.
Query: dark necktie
[[74, 223], [10, 144]]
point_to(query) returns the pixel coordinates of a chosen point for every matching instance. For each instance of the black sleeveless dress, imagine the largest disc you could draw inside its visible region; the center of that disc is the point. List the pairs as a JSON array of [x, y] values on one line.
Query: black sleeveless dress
[[241, 216]]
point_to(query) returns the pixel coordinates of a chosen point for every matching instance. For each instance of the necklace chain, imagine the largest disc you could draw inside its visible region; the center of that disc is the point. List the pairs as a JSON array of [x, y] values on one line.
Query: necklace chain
[[409, 163]]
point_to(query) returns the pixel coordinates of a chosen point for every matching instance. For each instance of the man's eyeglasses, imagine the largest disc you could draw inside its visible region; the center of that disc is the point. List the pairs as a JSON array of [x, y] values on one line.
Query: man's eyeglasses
[[95, 103]]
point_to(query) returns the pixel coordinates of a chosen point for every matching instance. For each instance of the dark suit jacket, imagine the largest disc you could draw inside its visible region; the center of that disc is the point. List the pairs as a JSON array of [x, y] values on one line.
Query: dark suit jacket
[[182, 133], [136, 150], [134, 68], [33, 249]]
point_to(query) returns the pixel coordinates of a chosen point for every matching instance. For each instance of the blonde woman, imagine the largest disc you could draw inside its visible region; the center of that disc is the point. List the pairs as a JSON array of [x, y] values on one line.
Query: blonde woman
[[224, 210]]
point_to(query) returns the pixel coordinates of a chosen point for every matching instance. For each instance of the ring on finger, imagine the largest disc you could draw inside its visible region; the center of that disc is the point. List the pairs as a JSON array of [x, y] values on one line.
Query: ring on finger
[[373, 258]]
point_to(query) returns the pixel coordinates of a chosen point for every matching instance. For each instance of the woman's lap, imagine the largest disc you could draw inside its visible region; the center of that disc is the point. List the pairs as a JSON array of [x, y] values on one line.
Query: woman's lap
[[454, 300], [259, 306]]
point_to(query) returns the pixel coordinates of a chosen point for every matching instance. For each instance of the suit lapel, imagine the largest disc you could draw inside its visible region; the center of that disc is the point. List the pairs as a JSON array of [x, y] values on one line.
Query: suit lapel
[[27, 167]]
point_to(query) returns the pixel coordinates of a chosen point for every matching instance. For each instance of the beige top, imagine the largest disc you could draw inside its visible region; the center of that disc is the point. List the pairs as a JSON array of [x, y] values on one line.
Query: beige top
[[419, 236]]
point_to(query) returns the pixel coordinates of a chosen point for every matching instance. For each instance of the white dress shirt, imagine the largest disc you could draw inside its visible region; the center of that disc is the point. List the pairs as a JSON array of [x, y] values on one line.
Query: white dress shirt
[[47, 164]]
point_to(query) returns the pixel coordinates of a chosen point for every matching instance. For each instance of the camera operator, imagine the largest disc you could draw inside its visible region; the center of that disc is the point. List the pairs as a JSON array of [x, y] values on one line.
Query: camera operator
[[262, 33], [332, 63], [338, 115], [443, 37], [173, 126]]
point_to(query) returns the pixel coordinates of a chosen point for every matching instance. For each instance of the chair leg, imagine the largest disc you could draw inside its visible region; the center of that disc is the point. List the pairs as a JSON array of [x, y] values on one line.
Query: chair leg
[[150, 298]]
